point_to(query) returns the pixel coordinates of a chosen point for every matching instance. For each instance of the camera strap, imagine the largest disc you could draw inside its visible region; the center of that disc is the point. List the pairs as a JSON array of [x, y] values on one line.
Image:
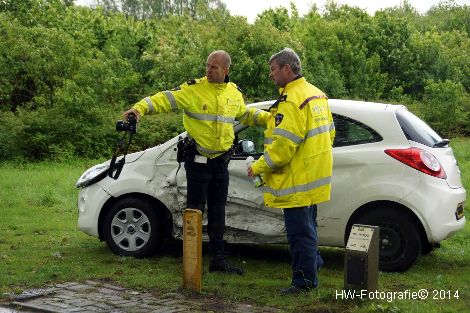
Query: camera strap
[[115, 167]]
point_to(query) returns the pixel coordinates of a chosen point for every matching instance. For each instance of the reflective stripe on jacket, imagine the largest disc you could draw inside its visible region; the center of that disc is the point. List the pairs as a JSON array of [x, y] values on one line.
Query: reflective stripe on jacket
[[298, 160], [210, 109]]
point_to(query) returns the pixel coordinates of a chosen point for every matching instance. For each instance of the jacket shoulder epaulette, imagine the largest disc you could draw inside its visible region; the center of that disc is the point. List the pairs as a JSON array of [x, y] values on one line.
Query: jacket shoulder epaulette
[[193, 82], [236, 86]]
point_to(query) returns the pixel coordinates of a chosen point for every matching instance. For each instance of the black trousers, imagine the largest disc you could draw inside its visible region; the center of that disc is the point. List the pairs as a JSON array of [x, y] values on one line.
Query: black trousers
[[208, 183]]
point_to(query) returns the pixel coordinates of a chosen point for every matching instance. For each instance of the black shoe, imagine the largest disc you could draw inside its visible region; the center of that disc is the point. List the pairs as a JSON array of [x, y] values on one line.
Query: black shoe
[[224, 266], [294, 290]]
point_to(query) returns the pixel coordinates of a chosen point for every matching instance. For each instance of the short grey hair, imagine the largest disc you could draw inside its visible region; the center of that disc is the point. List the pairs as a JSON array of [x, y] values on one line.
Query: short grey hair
[[287, 56], [226, 59]]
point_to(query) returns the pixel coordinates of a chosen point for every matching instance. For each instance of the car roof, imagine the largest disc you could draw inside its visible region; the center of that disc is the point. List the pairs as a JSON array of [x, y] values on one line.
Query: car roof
[[360, 110], [339, 105], [379, 116]]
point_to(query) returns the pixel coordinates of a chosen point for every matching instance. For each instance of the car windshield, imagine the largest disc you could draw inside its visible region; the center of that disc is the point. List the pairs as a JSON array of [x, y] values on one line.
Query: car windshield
[[416, 129]]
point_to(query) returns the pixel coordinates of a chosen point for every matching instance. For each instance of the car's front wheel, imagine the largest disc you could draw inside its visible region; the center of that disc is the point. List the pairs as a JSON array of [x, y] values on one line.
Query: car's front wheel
[[400, 244], [133, 228]]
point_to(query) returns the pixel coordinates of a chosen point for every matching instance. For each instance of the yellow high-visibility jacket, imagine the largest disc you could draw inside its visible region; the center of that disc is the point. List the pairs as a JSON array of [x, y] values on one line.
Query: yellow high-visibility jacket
[[298, 160], [210, 109]]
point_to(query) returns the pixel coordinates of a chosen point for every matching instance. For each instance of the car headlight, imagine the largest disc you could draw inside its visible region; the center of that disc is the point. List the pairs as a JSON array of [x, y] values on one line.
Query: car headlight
[[93, 175]]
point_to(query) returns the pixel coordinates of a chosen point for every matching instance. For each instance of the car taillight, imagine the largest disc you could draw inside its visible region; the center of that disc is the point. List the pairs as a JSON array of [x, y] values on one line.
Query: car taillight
[[419, 159]]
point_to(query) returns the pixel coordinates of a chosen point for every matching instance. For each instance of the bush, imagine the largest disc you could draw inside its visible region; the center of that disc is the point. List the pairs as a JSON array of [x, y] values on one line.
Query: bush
[[446, 107], [67, 72]]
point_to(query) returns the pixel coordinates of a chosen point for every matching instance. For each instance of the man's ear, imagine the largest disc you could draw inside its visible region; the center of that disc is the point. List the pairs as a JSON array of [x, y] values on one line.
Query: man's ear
[[287, 68]]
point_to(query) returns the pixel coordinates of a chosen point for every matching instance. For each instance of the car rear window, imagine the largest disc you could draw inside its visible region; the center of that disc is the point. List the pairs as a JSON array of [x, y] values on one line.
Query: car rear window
[[351, 132], [416, 129]]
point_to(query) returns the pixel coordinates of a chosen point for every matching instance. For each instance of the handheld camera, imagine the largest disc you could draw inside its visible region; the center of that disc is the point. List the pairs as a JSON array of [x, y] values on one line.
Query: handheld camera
[[128, 126]]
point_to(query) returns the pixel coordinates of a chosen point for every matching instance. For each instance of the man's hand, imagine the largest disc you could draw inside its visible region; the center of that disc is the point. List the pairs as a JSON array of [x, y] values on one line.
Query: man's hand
[[250, 172], [134, 111]]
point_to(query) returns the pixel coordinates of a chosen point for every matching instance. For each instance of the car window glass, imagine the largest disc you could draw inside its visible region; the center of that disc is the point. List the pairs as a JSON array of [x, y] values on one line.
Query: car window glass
[[351, 132], [416, 129]]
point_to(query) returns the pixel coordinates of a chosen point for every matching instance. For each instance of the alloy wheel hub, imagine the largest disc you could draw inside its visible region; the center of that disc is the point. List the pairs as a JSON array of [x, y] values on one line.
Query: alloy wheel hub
[[131, 229]]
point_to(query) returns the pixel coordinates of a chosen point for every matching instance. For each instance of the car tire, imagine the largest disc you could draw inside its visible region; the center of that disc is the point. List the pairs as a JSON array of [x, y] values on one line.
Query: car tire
[[399, 243], [133, 228]]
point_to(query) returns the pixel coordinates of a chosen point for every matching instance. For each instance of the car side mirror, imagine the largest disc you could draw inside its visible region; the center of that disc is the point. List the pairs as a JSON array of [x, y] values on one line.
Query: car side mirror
[[248, 146]]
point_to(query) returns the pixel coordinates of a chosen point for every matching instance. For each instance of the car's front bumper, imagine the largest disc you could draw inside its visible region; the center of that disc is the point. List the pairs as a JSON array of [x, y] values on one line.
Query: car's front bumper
[[91, 200]]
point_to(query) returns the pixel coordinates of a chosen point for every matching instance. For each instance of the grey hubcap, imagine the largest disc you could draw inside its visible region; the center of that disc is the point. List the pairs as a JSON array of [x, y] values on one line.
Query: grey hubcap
[[130, 229]]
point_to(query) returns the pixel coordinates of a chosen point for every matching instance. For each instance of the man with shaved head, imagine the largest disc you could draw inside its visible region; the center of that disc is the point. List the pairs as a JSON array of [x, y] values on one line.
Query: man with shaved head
[[210, 105]]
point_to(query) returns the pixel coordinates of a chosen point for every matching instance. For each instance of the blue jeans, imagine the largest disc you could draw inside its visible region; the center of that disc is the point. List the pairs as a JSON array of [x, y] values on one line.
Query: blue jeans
[[301, 228]]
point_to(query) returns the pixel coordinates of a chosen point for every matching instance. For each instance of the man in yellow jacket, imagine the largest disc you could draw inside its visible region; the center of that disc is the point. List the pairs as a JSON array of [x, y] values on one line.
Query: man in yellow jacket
[[297, 163], [210, 105]]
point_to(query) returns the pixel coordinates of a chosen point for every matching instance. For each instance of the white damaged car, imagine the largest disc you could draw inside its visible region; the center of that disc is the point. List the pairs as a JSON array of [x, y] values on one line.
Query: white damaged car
[[390, 169]]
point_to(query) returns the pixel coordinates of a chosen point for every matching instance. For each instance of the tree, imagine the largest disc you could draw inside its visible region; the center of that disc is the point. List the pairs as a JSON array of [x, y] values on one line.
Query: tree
[[67, 72], [143, 9], [447, 109]]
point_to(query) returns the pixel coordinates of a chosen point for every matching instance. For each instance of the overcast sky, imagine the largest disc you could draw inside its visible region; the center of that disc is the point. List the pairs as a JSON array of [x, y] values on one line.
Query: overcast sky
[[251, 8]]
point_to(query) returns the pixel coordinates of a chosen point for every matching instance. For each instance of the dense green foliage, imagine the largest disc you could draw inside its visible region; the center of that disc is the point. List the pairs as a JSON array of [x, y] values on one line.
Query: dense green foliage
[[66, 72]]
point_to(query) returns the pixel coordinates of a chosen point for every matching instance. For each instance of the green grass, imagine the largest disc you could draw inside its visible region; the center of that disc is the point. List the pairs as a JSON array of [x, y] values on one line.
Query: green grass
[[40, 245]]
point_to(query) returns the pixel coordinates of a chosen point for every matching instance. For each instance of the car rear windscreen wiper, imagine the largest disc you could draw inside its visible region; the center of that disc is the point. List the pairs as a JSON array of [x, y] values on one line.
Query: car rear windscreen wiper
[[442, 143]]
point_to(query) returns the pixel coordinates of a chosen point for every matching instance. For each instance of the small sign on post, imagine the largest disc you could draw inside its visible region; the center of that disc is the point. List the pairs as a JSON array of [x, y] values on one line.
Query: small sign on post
[[361, 259], [192, 249]]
